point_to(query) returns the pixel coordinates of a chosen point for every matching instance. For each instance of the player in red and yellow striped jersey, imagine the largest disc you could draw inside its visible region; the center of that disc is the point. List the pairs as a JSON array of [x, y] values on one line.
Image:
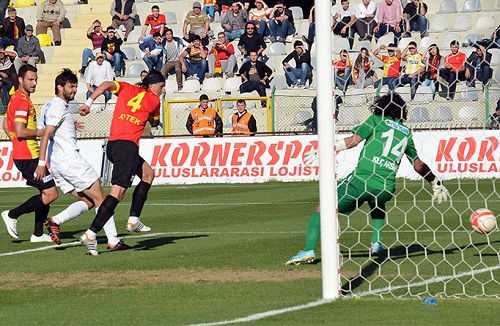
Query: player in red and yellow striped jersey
[[20, 126]]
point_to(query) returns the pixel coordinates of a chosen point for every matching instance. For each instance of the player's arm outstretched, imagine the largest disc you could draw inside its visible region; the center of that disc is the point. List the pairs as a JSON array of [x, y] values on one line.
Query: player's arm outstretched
[[312, 157], [105, 86], [440, 192]]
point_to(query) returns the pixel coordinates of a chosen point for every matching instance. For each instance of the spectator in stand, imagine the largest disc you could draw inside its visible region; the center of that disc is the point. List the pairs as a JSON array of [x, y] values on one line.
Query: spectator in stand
[[3, 5], [413, 69], [363, 74], [281, 22], [258, 16], [392, 63], [221, 58], [255, 76], [365, 20], [204, 121], [96, 35], [414, 17], [243, 122], [51, 14], [390, 16], [194, 60], [311, 33], [234, 21], [495, 38], [174, 47], [156, 21], [343, 68], [433, 60], [123, 13], [154, 51], [252, 42], [28, 49], [298, 76], [453, 71], [226, 5], [210, 7], [7, 68], [12, 29], [477, 67], [112, 52], [199, 25], [142, 75], [99, 71], [5, 87], [345, 26]]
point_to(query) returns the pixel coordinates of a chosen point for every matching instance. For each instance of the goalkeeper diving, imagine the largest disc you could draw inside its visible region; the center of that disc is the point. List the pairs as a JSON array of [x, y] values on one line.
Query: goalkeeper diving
[[374, 178]]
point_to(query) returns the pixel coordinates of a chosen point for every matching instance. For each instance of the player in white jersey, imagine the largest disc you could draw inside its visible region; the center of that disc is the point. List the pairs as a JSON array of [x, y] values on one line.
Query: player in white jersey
[[72, 173]]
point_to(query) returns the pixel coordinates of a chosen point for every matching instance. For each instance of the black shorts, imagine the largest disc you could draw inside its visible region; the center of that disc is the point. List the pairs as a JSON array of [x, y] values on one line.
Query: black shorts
[[124, 155], [28, 167]]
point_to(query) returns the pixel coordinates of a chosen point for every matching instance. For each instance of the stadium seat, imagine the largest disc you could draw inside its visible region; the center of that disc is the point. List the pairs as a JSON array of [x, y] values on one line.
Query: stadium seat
[[44, 39], [385, 40], [495, 57], [229, 121], [462, 23], [171, 18], [438, 24], [171, 86], [24, 3], [278, 81], [212, 85], [448, 7], [133, 37], [66, 23], [426, 42], [443, 114], [496, 76], [423, 94], [237, 51], [178, 31], [297, 12], [277, 48], [485, 22], [303, 28], [447, 39], [232, 84], [468, 94], [301, 117], [472, 6], [341, 44], [467, 113], [129, 53], [470, 39], [403, 43], [362, 44], [419, 114], [190, 86], [135, 70], [404, 92], [355, 97]]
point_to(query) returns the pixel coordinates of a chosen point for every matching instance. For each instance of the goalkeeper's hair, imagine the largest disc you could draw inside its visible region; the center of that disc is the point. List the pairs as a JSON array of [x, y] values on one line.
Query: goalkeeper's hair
[[390, 105]]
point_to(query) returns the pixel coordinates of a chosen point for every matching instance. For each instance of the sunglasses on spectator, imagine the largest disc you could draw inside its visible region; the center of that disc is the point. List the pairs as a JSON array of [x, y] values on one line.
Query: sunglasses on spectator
[[412, 48], [250, 28]]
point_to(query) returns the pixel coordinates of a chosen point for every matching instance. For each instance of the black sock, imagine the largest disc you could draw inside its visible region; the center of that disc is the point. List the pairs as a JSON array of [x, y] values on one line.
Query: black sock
[[33, 204], [106, 210], [40, 216], [139, 198]]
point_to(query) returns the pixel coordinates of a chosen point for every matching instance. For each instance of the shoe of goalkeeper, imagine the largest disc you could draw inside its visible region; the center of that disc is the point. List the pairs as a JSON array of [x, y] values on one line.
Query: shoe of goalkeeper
[[303, 257], [376, 248], [90, 244], [137, 227]]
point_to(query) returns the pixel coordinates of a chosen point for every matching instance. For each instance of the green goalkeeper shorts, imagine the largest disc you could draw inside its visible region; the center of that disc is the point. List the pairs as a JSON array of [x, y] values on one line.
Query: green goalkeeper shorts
[[353, 192]]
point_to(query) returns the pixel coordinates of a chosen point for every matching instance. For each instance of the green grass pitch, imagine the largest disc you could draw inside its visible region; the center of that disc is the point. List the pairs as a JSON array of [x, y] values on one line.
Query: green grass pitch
[[217, 252]]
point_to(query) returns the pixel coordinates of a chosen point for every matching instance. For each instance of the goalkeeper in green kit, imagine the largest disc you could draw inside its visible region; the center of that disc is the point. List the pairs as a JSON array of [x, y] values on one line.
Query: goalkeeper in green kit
[[374, 179]]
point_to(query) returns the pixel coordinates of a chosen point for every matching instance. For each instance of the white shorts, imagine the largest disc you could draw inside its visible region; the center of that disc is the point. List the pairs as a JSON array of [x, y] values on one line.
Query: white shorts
[[72, 172]]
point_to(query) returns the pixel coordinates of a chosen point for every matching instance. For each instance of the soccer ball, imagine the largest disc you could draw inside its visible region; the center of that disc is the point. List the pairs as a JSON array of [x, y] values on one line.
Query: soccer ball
[[483, 221]]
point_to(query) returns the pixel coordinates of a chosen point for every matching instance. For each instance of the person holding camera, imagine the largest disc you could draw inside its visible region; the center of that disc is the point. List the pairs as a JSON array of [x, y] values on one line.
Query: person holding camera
[[281, 23], [234, 21], [221, 58]]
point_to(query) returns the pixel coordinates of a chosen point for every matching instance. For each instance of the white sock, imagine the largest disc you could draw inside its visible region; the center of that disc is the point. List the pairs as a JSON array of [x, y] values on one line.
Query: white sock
[[91, 234], [74, 210], [110, 230], [133, 219]]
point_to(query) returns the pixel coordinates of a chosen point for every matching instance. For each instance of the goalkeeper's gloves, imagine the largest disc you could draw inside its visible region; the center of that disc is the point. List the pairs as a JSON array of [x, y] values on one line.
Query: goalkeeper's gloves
[[440, 192], [312, 157]]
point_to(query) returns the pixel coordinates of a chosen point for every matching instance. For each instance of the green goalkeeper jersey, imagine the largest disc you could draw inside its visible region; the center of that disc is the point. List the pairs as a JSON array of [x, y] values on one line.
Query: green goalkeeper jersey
[[386, 141]]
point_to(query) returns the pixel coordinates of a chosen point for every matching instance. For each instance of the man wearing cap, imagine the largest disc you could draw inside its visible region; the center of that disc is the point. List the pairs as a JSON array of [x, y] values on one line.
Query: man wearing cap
[[111, 50], [51, 14], [98, 71], [13, 29], [28, 49], [199, 24], [96, 35], [123, 13]]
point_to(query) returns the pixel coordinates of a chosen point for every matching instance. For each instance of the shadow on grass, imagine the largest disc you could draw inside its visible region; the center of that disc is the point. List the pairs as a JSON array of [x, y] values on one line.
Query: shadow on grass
[[400, 252], [149, 244]]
